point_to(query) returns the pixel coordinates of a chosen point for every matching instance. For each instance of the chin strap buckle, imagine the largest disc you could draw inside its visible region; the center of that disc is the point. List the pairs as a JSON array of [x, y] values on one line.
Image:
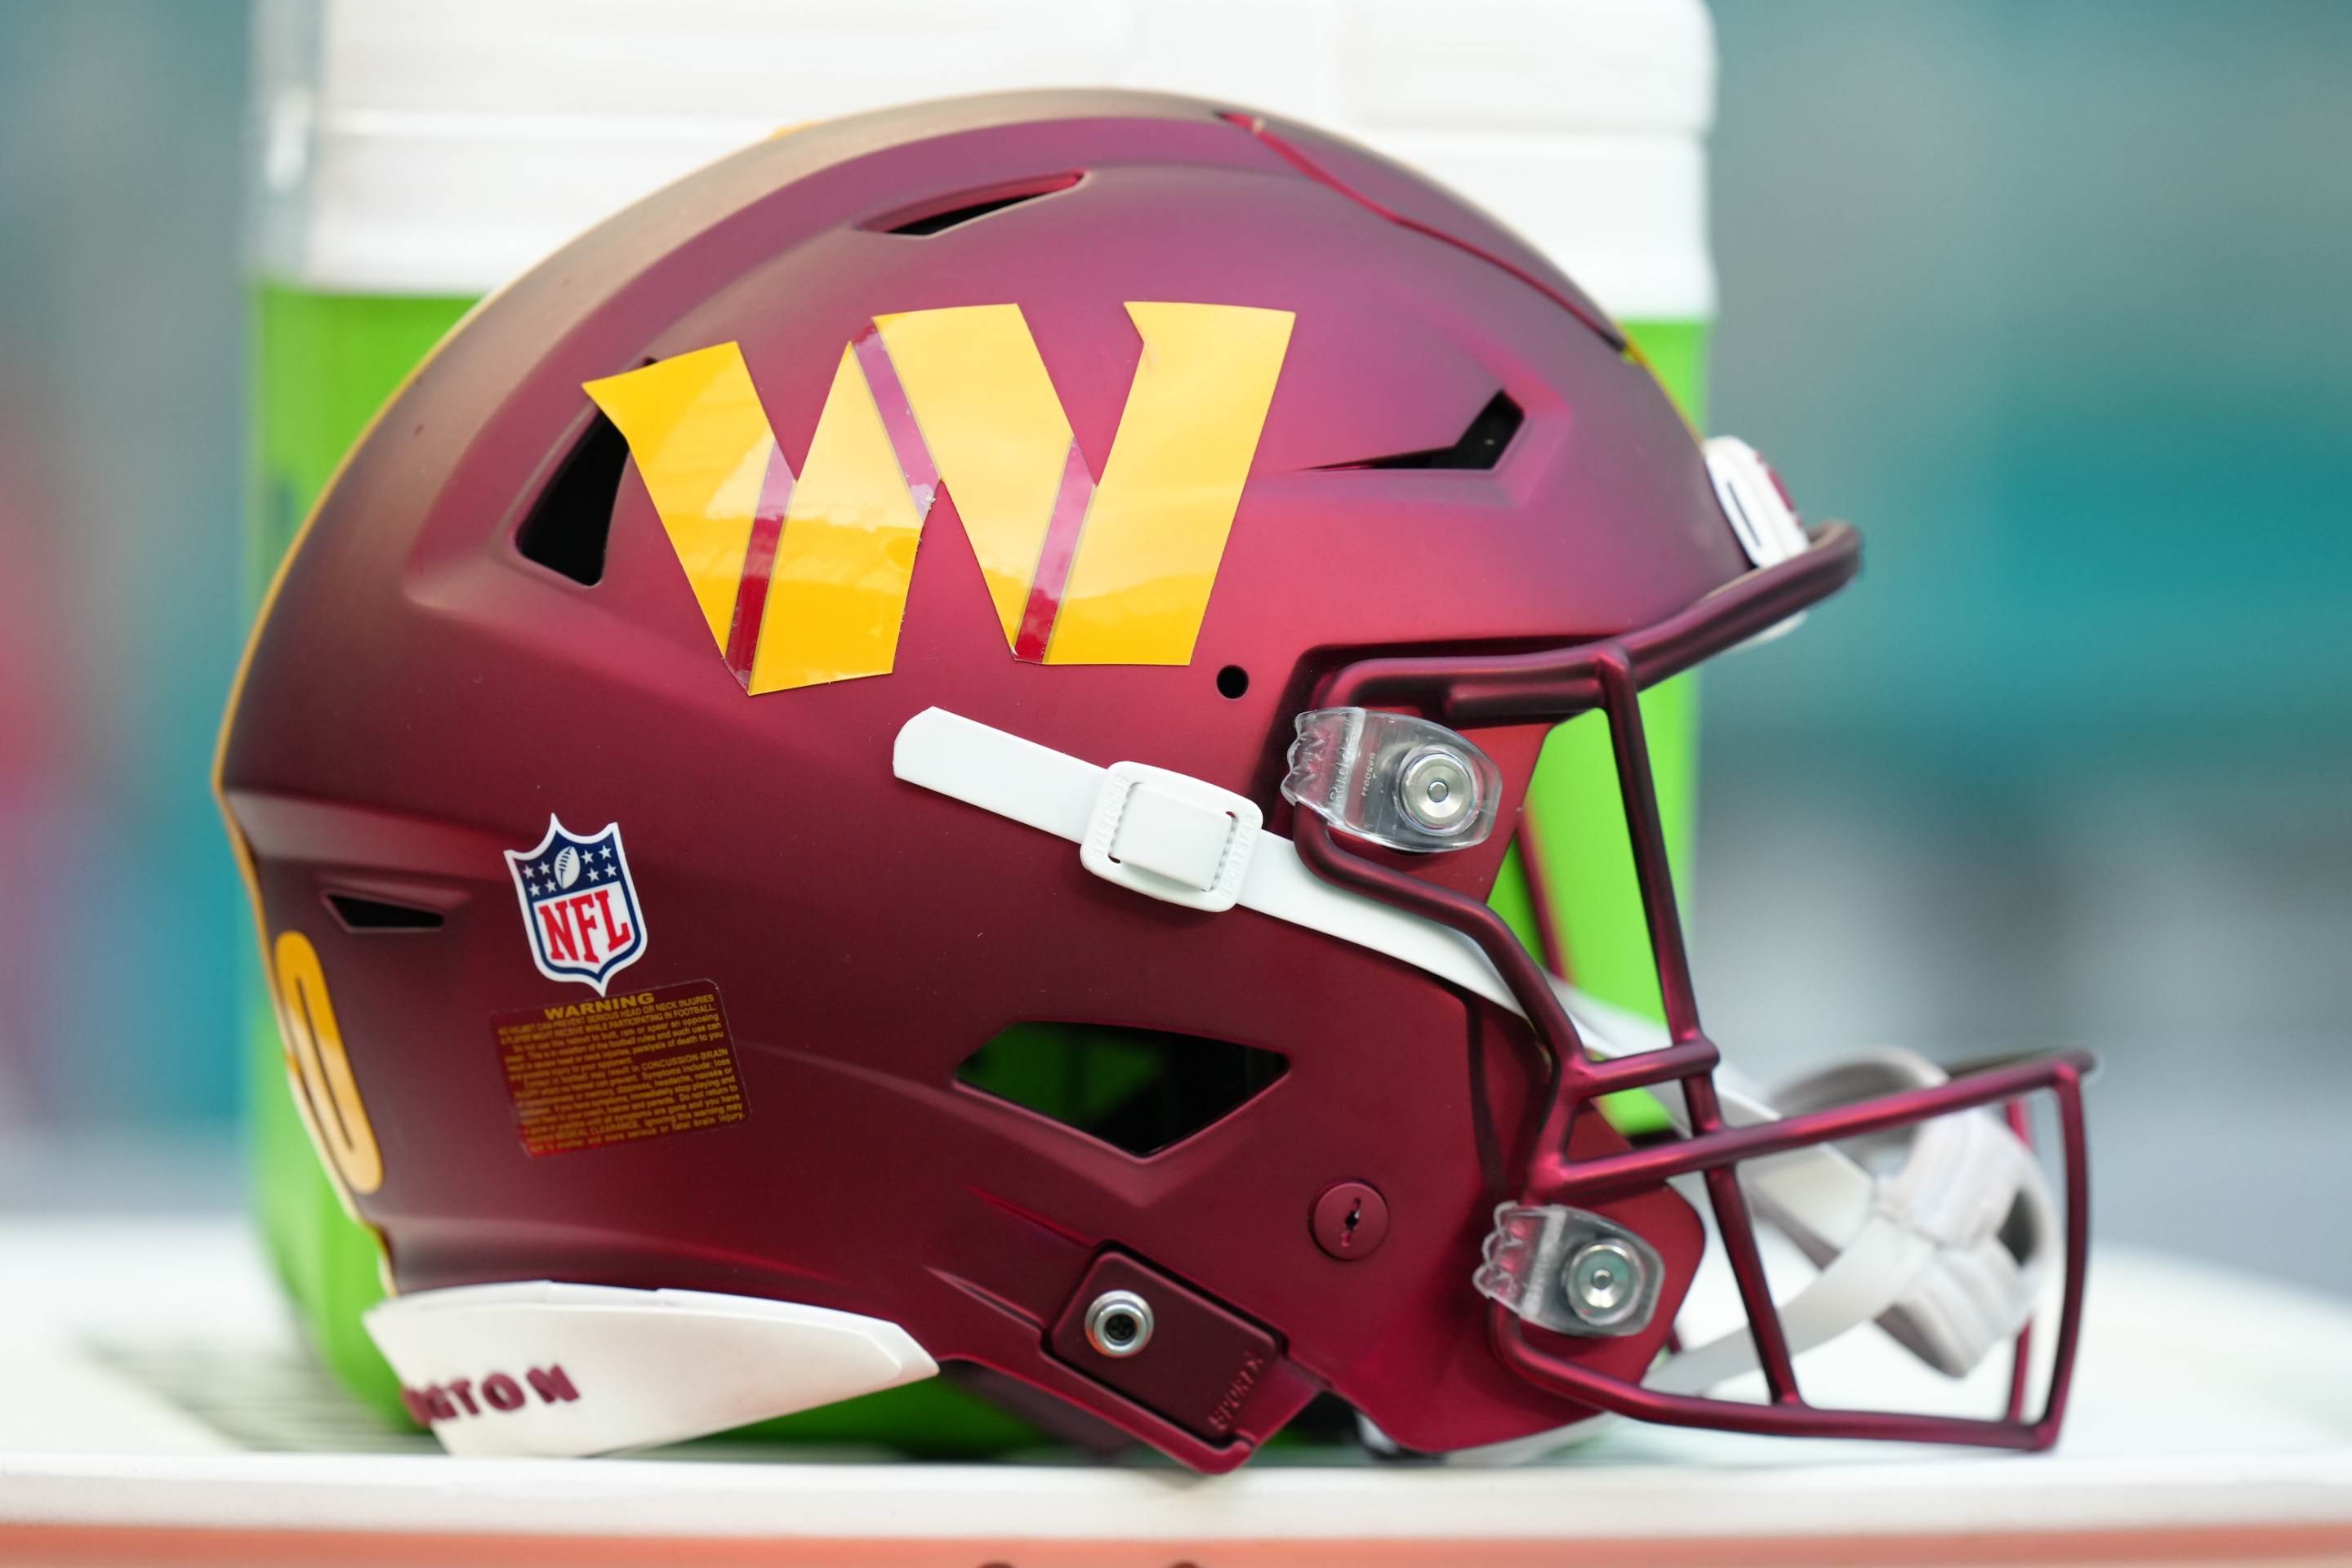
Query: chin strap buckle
[[1174, 838], [1170, 837]]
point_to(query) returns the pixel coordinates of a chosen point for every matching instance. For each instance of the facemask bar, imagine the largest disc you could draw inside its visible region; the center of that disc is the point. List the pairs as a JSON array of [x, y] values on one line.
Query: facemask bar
[[1555, 685]]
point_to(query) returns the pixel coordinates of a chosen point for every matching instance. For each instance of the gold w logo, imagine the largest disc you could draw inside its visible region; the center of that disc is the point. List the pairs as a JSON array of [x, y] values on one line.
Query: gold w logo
[[803, 578]]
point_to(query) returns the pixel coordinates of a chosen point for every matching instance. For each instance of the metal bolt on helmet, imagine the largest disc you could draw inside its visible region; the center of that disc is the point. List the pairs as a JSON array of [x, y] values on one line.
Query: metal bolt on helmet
[[1118, 1323], [948, 737]]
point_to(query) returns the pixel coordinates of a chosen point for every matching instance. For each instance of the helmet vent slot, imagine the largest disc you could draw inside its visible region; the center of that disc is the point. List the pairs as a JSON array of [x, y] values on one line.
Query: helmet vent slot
[[359, 914], [1141, 1091], [1481, 445], [947, 212], [570, 520]]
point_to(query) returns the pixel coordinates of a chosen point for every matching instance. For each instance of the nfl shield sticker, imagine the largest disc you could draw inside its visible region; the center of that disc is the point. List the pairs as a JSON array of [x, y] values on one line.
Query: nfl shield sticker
[[579, 905]]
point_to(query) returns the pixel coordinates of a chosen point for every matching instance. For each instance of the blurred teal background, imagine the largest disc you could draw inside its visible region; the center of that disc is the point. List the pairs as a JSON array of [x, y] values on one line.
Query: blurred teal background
[[121, 338], [2049, 297]]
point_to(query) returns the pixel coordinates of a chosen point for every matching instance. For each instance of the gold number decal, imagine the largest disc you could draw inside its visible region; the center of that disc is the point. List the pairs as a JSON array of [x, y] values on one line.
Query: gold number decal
[[321, 1073]]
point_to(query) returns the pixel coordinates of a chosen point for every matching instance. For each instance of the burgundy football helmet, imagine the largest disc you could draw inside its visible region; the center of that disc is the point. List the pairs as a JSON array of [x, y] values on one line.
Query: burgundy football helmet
[[737, 960]]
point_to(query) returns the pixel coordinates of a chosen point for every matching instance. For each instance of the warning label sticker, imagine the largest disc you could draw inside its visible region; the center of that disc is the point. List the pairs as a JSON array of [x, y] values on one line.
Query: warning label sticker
[[585, 1074]]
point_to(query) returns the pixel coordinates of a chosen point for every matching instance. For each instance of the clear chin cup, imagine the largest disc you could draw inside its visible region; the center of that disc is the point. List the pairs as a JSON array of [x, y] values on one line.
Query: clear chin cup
[[1393, 779]]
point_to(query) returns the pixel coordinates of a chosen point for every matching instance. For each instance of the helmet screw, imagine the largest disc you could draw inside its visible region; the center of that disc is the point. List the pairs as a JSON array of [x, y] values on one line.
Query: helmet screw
[[1349, 1220], [1604, 1282], [1438, 791], [1118, 1323]]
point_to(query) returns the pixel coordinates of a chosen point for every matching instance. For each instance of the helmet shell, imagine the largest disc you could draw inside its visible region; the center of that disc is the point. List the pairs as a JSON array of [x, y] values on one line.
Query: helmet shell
[[421, 699]]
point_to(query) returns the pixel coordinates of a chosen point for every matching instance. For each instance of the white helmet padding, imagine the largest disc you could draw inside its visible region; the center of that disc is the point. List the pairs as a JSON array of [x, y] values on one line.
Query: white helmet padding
[[1965, 1184]]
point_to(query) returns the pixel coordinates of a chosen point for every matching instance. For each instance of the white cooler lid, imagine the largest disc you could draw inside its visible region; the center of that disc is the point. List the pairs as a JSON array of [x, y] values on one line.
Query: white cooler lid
[[443, 146]]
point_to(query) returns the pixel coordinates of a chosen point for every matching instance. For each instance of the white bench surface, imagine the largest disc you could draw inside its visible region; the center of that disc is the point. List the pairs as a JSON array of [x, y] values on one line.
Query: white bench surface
[[156, 1403]]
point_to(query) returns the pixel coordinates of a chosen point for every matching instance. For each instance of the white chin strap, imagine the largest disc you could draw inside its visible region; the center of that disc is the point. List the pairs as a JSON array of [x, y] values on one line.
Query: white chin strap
[[1172, 837], [1944, 1241]]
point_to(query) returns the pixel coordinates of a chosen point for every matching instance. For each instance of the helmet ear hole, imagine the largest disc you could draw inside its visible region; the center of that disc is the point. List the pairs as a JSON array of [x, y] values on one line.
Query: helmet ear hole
[[1233, 682], [572, 518]]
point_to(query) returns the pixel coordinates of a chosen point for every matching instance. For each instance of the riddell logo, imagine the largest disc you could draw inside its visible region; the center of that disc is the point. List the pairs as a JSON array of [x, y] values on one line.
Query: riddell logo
[[1237, 1393], [496, 1393], [803, 578]]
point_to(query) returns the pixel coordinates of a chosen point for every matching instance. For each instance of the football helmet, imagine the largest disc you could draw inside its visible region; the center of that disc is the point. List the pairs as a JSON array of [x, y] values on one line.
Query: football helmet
[[894, 761]]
